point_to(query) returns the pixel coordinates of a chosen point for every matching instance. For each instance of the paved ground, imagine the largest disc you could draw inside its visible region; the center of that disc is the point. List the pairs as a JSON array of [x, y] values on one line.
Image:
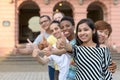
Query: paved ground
[[31, 70], [23, 76], [23, 70], [116, 75]]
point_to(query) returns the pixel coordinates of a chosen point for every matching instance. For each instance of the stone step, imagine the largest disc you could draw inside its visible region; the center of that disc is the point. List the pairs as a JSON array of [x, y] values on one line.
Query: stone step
[[115, 56], [18, 58]]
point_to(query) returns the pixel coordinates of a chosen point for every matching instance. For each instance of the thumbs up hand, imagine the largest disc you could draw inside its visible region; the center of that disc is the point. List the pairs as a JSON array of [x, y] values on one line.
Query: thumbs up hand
[[30, 45], [43, 44], [61, 43], [47, 51]]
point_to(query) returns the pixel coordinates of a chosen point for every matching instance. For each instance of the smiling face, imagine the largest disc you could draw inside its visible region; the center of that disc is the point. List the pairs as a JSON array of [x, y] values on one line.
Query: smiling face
[[67, 28], [104, 30], [55, 30], [58, 16], [84, 33], [103, 35], [45, 22]]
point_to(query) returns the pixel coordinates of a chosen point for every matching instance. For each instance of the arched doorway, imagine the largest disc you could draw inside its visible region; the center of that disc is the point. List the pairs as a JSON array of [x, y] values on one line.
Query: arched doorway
[[64, 7], [27, 10], [95, 11]]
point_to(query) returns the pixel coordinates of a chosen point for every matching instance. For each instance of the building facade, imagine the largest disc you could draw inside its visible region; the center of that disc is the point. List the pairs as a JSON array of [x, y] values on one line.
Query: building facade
[[16, 14]]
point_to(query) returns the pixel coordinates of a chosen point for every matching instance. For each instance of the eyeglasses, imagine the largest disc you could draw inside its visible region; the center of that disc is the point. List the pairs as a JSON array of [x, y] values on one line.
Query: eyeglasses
[[44, 21]]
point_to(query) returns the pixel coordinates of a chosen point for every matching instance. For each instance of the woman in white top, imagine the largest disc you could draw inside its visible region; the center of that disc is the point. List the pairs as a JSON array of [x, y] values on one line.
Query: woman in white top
[[63, 60]]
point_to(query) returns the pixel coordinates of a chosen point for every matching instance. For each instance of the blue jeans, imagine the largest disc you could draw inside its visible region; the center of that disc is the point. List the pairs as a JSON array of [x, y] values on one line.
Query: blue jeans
[[51, 72]]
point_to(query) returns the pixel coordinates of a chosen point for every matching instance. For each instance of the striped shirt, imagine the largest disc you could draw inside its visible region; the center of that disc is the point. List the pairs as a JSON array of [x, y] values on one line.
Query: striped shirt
[[92, 63]]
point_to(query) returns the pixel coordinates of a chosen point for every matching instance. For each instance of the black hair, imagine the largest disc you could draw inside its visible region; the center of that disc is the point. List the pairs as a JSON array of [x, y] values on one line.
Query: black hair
[[55, 21], [68, 18], [45, 16], [90, 23]]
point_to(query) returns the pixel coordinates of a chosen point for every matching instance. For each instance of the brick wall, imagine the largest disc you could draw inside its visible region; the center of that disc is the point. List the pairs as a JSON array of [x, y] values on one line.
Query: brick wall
[[9, 34]]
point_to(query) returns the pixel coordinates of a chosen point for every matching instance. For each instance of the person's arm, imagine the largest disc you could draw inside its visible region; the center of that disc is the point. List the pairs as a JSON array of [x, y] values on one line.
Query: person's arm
[[38, 54], [26, 50], [68, 47], [112, 67], [106, 62], [63, 44], [42, 60], [56, 51], [30, 46]]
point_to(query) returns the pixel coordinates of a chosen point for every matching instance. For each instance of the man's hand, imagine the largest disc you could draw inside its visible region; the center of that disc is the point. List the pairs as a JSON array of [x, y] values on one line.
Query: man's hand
[[43, 44]]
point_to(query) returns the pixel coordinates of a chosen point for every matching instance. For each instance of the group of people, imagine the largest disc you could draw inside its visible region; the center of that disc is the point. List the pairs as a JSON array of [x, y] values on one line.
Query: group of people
[[83, 55]]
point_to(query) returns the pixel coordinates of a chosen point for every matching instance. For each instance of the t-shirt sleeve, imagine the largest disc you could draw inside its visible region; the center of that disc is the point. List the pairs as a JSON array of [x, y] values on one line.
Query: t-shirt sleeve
[[108, 59], [38, 39], [106, 62], [51, 39]]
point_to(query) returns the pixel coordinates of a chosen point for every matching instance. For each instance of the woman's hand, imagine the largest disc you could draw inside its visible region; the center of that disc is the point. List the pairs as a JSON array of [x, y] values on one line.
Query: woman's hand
[[61, 43], [113, 67], [47, 51]]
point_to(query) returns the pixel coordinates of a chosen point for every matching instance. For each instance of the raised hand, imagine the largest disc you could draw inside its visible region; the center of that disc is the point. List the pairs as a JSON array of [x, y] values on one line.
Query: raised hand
[[61, 43], [43, 44], [113, 67], [48, 51], [29, 41], [30, 44]]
